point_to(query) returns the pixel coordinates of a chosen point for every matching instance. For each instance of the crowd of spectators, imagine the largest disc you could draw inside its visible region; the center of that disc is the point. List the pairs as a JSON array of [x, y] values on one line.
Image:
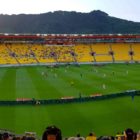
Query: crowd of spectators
[[54, 133], [128, 134]]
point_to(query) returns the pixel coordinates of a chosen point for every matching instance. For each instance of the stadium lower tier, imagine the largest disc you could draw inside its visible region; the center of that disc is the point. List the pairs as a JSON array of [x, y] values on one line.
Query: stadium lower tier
[[99, 52]]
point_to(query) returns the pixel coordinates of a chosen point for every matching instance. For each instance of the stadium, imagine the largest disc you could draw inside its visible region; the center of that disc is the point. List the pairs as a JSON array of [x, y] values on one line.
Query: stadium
[[78, 82]]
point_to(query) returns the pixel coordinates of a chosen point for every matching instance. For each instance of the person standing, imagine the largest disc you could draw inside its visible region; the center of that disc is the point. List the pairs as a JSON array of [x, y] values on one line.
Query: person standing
[[91, 136]]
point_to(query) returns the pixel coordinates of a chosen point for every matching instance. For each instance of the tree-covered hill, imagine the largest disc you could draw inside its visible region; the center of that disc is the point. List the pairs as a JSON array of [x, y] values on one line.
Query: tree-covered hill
[[67, 22]]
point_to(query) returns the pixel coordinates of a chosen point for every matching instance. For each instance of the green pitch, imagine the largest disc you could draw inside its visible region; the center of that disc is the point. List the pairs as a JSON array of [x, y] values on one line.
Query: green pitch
[[48, 83], [102, 117]]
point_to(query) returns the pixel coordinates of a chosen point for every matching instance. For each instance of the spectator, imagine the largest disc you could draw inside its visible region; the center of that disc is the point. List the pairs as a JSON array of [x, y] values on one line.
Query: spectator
[[129, 134], [23, 138], [5, 136], [78, 137], [91, 136], [1, 137], [104, 138], [138, 135], [52, 133], [120, 136]]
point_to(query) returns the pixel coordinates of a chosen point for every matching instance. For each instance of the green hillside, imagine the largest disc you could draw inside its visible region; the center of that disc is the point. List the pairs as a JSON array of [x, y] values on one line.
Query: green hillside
[[65, 22]]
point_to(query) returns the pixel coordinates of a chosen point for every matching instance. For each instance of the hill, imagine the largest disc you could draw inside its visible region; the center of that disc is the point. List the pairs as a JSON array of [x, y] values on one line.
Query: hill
[[67, 22]]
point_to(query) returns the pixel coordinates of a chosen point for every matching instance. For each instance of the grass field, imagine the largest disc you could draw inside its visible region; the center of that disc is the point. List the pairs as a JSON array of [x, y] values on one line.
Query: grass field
[[104, 117], [46, 83]]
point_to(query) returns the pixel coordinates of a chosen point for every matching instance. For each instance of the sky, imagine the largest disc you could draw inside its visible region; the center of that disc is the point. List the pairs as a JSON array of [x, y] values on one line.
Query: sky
[[125, 9]]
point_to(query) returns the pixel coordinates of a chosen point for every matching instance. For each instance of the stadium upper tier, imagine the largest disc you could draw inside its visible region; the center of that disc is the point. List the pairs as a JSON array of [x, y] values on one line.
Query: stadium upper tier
[[28, 53], [55, 48], [67, 39]]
